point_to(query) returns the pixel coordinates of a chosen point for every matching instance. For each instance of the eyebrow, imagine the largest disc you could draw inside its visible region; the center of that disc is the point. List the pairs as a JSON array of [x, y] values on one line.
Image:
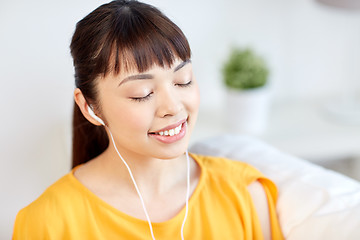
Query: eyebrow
[[182, 65], [150, 76]]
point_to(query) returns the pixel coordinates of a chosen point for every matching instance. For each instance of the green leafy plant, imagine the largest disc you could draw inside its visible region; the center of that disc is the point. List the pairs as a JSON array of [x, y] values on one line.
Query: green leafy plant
[[244, 70]]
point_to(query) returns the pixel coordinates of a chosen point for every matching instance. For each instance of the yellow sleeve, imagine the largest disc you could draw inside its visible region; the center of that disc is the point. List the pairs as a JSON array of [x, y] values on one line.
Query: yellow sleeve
[[271, 195], [251, 174], [39, 220], [29, 227]]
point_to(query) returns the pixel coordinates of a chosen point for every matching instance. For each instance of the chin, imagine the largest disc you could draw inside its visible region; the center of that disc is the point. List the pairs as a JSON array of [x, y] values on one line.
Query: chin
[[171, 152]]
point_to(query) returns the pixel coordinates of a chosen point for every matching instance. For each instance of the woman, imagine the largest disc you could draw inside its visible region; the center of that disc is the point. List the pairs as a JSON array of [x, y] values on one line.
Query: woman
[[136, 105]]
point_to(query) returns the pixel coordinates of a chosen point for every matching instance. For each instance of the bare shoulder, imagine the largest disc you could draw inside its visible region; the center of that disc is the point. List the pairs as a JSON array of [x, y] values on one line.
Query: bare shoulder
[[260, 201]]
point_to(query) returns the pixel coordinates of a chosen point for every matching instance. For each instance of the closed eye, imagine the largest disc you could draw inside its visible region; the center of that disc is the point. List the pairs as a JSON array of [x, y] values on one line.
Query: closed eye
[[184, 84], [141, 99]]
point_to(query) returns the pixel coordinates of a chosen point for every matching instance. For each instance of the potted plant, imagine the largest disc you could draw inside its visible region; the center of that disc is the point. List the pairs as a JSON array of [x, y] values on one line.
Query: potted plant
[[245, 76]]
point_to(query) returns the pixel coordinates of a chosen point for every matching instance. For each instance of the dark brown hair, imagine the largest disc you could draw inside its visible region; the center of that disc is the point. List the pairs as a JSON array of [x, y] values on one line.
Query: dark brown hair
[[120, 35]]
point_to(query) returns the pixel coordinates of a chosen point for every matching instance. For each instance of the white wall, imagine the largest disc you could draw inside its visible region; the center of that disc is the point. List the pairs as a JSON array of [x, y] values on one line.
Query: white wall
[[312, 50]]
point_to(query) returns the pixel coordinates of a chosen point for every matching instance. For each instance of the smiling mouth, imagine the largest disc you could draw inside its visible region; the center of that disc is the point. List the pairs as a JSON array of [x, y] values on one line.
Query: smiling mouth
[[170, 132]]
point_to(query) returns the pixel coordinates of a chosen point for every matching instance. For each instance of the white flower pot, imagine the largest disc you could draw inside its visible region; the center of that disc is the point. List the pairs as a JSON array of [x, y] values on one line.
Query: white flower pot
[[247, 110]]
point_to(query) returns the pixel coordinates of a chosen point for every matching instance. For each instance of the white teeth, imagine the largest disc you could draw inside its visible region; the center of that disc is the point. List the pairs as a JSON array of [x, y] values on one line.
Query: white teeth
[[177, 130], [171, 132]]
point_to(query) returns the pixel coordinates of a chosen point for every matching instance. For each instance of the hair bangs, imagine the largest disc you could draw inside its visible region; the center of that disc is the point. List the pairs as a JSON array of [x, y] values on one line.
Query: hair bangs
[[142, 39]]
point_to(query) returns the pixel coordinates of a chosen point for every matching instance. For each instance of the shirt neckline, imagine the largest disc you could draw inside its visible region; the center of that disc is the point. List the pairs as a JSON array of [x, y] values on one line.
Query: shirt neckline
[[178, 217]]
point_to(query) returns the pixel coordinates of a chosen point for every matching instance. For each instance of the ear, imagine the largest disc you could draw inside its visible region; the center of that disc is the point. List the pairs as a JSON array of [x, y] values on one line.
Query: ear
[[83, 105]]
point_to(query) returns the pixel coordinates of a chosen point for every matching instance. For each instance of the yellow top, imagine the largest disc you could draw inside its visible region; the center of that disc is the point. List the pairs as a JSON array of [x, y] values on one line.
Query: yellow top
[[220, 208]]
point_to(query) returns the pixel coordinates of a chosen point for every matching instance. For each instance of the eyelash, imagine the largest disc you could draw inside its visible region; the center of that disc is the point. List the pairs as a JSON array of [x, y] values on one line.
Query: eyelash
[[143, 99], [184, 84]]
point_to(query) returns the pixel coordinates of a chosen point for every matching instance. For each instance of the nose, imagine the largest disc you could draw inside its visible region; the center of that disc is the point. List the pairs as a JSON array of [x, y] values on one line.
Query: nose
[[169, 103]]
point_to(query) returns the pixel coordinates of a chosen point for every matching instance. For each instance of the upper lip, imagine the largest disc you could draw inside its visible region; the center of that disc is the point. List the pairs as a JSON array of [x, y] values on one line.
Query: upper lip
[[172, 126]]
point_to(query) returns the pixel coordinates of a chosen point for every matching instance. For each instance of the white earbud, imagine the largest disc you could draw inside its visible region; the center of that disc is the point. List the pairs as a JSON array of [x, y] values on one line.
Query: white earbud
[[92, 114]]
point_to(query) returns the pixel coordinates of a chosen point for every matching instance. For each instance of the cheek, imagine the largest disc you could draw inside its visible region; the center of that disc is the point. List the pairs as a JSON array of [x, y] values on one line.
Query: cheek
[[194, 99], [136, 117], [129, 117]]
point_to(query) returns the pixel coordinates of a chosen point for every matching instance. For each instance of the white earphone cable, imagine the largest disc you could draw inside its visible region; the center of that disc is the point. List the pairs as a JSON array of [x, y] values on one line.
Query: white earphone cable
[[140, 196], [187, 194], [136, 187]]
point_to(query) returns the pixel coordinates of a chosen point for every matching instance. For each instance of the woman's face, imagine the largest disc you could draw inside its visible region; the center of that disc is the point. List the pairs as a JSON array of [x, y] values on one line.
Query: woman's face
[[151, 114]]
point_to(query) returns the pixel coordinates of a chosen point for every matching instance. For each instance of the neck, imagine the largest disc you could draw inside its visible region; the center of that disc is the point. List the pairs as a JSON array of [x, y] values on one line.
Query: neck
[[153, 175]]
